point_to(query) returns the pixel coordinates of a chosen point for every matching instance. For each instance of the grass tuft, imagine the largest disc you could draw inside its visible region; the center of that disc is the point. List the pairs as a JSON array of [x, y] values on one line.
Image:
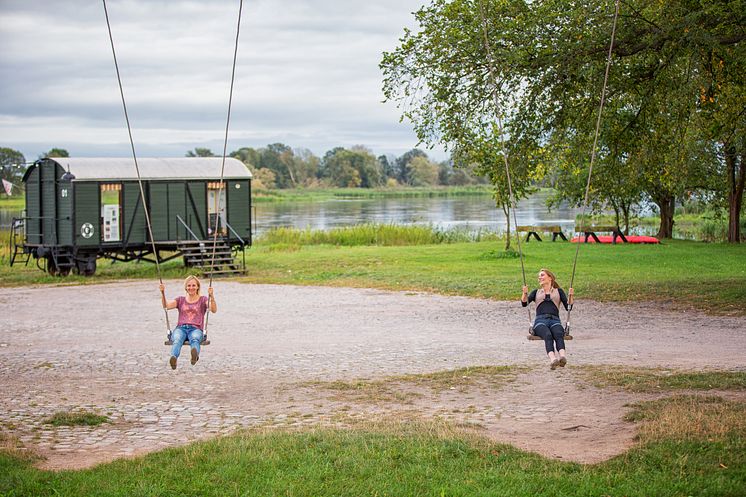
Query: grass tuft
[[79, 418], [689, 417], [405, 388], [647, 380]]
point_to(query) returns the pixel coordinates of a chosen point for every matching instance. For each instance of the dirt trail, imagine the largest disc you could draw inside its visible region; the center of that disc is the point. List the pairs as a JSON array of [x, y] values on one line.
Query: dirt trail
[[100, 347]]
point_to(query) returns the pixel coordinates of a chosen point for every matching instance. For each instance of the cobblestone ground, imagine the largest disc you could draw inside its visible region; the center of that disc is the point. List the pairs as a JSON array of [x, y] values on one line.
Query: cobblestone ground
[[100, 348]]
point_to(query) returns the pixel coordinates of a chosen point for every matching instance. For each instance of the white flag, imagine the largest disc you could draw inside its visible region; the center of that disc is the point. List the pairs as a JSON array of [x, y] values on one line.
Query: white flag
[[8, 186]]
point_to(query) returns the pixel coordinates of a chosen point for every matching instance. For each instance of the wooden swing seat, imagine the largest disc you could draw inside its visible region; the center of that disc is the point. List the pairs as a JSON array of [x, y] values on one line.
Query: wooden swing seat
[[170, 342], [531, 335]]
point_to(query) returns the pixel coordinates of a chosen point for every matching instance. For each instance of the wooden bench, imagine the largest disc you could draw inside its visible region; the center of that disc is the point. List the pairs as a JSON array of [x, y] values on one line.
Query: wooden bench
[[534, 231], [590, 232]]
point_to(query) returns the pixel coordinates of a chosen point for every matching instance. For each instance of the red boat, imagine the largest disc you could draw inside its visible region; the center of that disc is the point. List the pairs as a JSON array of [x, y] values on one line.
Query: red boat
[[608, 239]]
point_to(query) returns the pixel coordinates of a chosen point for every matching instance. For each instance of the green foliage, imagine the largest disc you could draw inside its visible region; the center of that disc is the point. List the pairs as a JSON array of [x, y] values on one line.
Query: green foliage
[[200, 152], [673, 122], [357, 167], [12, 166], [56, 152]]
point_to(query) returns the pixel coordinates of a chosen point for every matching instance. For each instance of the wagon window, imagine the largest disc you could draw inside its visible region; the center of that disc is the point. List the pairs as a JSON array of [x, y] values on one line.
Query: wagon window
[[213, 193], [111, 202]]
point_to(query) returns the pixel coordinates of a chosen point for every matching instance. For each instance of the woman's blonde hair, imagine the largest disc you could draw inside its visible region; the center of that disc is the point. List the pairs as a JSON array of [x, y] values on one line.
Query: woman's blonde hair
[[551, 277], [192, 277]]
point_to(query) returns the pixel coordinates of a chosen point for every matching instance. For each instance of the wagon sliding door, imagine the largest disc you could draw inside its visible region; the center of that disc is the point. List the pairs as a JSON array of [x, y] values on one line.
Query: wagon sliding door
[[87, 211], [239, 209], [167, 201], [196, 208]]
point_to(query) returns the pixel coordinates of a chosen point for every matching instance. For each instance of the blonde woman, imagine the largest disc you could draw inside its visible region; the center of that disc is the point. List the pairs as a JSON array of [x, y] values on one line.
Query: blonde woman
[[192, 309], [548, 297]]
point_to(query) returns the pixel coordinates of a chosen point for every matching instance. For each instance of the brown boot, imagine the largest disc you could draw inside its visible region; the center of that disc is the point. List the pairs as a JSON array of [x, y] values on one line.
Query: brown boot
[[195, 356], [172, 362]]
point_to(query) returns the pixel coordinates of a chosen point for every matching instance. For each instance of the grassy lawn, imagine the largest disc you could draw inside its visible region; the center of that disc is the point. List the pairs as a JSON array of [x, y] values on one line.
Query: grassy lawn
[[425, 458], [678, 274], [664, 273]]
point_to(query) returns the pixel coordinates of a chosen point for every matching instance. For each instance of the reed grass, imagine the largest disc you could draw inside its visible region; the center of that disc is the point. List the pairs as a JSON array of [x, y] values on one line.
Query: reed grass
[[371, 235]]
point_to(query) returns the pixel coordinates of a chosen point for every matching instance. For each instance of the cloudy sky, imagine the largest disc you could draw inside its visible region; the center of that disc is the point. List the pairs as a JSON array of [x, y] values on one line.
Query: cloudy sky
[[307, 75]]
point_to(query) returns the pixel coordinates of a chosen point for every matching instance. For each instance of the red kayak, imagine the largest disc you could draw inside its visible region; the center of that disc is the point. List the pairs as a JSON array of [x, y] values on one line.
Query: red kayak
[[607, 239]]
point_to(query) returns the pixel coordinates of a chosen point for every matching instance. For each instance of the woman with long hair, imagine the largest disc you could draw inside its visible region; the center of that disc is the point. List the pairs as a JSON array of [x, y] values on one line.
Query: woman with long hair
[[548, 297], [192, 309]]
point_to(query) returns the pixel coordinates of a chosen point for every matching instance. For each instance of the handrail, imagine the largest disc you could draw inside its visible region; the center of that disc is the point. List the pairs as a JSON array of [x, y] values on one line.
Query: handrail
[[243, 243], [187, 227]]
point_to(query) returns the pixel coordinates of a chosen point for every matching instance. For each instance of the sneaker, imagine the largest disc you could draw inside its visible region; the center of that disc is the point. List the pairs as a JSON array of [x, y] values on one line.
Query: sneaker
[[172, 362], [195, 356], [553, 364], [562, 362]]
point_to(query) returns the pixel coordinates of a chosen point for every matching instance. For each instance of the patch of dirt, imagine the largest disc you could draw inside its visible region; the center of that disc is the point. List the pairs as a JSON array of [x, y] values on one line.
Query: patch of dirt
[[274, 348]]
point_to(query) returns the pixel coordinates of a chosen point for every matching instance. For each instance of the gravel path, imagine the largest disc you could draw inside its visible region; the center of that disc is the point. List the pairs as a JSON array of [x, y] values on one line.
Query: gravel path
[[100, 347]]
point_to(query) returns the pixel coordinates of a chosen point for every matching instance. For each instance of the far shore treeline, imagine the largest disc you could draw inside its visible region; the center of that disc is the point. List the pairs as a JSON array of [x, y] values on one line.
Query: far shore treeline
[[279, 170]]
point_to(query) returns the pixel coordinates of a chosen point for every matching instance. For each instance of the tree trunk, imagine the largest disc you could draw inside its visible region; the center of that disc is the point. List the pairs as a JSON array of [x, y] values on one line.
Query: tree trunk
[[736, 170], [667, 206], [506, 210]]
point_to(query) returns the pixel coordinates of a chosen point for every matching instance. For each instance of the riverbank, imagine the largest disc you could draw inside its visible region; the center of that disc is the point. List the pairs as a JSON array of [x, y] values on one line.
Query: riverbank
[[322, 194]]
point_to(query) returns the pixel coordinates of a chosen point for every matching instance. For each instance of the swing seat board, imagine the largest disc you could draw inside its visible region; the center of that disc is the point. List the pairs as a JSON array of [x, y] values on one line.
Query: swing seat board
[[537, 337], [186, 342]]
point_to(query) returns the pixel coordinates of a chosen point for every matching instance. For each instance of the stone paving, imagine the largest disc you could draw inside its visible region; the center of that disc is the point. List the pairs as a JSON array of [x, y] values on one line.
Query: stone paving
[[100, 348]]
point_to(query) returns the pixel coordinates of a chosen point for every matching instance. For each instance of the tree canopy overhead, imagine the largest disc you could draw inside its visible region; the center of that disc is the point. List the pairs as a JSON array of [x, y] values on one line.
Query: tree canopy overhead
[[675, 120]]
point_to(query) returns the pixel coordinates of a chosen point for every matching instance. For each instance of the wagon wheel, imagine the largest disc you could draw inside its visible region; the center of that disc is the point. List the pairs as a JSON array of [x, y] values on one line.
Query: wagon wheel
[[86, 266], [52, 268]]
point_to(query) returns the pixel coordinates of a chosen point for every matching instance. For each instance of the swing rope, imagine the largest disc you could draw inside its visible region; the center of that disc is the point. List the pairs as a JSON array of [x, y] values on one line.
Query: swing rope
[[134, 157], [222, 166], [491, 66], [595, 145], [501, 136], [137, 168]]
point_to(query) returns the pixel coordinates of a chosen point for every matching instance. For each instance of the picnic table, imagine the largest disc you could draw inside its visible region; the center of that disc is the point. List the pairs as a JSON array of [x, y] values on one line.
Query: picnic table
[[534, 231], [590, 232]]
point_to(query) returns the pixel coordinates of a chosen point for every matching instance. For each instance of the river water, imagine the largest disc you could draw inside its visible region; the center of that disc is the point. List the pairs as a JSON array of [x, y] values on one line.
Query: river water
[[470, 213]]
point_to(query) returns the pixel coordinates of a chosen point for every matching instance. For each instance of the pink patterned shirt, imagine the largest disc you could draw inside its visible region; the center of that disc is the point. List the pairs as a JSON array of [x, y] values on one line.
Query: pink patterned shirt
[[193, 314]]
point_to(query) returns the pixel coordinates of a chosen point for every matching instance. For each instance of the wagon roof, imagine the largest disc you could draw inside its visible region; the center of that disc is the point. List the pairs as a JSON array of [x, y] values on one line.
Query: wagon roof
[[91, 168]]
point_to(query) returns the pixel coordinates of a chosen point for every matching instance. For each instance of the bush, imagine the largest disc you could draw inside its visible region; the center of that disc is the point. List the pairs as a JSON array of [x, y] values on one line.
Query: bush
[[713, 230]]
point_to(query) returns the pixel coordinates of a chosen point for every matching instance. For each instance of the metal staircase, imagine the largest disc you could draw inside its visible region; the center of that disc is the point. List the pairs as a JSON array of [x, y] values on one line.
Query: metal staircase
[[199, 255]]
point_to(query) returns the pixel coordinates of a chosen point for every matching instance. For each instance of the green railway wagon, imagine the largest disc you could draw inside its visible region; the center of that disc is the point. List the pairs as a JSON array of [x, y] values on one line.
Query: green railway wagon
[[82, 209]]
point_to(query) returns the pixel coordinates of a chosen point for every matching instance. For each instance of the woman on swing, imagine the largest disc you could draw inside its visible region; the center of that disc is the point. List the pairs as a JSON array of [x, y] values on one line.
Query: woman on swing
[[192, 310], [547, 325]]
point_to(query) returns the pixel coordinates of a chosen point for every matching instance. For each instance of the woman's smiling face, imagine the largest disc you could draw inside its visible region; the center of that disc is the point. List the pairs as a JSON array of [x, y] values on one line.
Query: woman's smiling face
[[192, 287]]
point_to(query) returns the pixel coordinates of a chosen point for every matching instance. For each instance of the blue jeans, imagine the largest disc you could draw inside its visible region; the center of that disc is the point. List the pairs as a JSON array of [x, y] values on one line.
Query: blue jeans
[[551, 330], [185, 332]]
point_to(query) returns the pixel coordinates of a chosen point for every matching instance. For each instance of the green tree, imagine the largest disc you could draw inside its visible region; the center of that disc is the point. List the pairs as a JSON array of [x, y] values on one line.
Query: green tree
[[12, 165], [200, 152], [55, 152], [402, 165], [675, 106], [440, 78], [357, 167], [278, 157], [247, 155], [423, 172]]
